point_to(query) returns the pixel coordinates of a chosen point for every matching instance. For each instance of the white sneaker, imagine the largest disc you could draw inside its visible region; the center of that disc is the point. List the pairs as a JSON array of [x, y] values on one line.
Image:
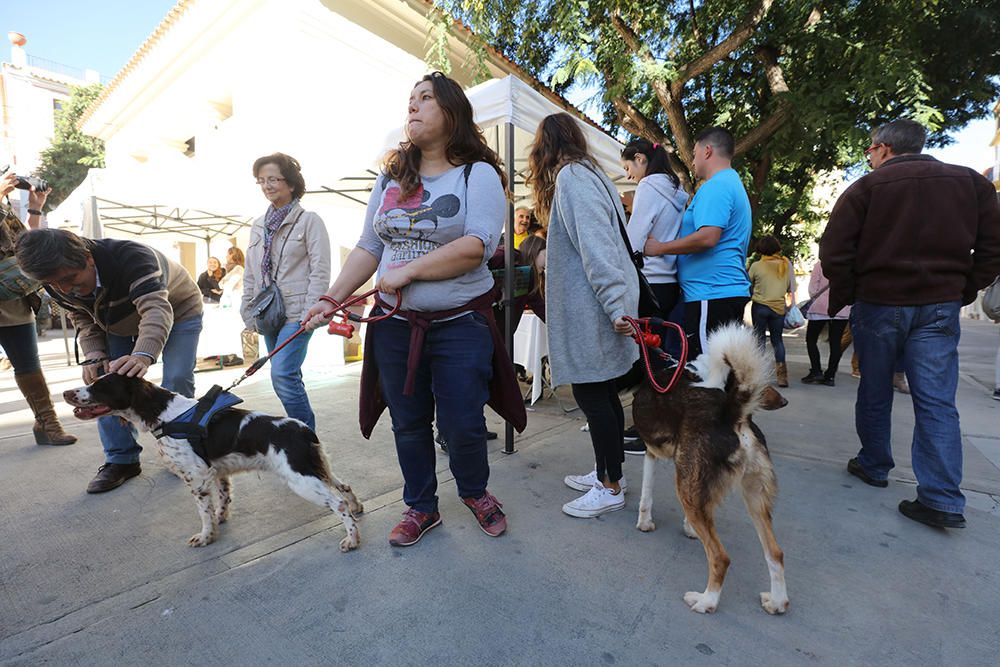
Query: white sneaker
[[599, 500], [586, 482]]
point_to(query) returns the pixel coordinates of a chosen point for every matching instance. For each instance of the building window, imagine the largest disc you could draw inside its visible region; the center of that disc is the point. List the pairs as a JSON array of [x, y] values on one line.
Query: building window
[[189, 147]]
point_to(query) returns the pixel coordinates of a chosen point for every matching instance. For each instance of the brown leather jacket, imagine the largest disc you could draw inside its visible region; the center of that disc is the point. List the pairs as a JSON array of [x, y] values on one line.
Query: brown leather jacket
[[913, 232]]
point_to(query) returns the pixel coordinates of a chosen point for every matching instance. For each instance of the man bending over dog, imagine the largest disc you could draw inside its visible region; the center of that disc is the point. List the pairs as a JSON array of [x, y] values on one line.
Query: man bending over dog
[[129, 304]]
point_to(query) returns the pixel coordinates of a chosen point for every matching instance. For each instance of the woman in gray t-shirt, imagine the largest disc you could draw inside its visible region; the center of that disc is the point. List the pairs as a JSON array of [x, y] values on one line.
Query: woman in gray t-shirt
[[434, 219]]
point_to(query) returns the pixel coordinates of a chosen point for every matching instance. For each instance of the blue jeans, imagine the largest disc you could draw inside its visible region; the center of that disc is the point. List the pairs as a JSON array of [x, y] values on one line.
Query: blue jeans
[[767, 321], [179, 356], [926, 339], [20, 342], [454, 374], [286, 373]]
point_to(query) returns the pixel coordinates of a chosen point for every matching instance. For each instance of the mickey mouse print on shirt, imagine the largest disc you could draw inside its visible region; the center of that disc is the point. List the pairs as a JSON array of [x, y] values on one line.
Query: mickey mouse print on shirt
[[413, 227]]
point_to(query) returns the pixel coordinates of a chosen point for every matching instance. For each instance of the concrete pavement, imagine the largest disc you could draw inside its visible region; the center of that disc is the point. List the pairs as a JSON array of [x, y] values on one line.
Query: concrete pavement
[[94, 580]]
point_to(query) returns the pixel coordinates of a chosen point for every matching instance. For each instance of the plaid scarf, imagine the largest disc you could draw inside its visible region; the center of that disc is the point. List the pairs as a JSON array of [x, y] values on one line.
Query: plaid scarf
[[272, 220]]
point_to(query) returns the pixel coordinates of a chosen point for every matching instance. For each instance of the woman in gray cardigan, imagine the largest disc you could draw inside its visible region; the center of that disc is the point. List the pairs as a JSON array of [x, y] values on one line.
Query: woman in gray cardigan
[[591, 285]]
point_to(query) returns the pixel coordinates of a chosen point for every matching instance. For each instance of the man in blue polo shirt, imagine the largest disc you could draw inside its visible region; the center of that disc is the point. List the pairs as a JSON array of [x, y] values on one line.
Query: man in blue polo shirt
[[712, 245]]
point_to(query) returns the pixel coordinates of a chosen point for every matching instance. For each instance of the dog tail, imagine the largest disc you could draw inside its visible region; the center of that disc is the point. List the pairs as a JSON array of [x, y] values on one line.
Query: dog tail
[[735, 362]]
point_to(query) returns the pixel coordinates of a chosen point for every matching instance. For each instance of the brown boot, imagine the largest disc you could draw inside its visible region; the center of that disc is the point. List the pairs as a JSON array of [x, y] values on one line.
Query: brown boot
[[781, 371], [899, 383], [47, 429]]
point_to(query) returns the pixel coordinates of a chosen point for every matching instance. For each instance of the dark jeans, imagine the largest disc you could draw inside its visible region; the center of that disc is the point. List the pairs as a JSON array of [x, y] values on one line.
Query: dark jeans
[[599, 402], [813, 329], [766, 321], [703, 317], [454, 373], [20, 343], [926, 337]]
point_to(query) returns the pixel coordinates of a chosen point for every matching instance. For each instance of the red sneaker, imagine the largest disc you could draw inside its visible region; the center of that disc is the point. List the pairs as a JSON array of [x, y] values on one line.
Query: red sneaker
[[488, 513], [412, 527]]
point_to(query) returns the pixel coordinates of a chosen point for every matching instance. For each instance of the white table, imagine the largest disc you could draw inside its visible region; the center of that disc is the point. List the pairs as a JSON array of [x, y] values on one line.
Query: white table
[[531, 344], [220, 331]]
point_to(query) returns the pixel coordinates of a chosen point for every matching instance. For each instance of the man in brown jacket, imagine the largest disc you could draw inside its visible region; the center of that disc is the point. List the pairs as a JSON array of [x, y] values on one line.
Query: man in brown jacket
[[907, 245], [129, 304]]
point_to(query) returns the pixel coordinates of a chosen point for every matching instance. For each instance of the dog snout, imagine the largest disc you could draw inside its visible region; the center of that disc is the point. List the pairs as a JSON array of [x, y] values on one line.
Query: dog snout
[[75, 397]]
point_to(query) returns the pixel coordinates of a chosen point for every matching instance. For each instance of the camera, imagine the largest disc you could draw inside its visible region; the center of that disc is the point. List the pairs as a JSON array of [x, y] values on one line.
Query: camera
[[26, 183]]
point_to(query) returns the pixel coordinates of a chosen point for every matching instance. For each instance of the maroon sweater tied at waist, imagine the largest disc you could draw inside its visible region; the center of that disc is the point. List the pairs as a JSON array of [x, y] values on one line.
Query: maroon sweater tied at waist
[[505, 394]]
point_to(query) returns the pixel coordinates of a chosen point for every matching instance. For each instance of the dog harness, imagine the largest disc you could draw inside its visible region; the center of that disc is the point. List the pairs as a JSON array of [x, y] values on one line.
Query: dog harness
[[192, 425]]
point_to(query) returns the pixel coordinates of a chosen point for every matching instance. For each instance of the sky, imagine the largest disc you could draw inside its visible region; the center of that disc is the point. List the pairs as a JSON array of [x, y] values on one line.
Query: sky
[[100, 35], [103, 34]]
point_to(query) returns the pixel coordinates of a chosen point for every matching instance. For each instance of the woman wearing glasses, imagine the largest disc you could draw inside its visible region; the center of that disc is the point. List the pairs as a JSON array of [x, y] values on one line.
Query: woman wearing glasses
[[433, 221], [289, 247]]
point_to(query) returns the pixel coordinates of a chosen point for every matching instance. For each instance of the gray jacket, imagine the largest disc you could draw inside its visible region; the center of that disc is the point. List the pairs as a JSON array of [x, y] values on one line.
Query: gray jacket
[[590, 280], [304, 274]]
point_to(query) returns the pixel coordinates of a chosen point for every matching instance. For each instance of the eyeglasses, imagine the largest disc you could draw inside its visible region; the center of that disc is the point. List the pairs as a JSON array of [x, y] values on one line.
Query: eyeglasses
[[873, 147], [272, 180]]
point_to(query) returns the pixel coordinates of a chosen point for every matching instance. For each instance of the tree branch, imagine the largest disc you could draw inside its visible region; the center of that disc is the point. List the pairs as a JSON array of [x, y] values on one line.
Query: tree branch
[[736, 39], [670, 102], [768, 55]]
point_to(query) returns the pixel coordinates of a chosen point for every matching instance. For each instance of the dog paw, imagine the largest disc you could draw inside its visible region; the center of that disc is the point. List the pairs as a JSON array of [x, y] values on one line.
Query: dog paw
[[201, 540], [349, 543], [773, 606], [646, 525], [703, 603], [689, 530], [356, 508]]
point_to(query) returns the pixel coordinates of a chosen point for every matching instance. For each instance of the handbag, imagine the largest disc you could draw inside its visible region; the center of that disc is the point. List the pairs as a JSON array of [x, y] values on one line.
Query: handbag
[[648, 304], [268, 307], [991, 300], [13, 283], [807, 304], [794, 318]]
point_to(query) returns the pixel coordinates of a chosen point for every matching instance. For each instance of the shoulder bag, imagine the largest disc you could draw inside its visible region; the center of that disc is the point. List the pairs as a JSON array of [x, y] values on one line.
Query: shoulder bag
[[267, 307]]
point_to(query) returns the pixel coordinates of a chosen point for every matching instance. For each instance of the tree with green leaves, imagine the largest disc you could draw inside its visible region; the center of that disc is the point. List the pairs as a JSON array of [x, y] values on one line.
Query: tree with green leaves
[[65, 162], [798, 82]]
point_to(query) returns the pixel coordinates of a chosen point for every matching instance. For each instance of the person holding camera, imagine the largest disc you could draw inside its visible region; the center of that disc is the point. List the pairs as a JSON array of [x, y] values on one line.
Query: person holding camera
[[287, 270], [18, 335], [129, 305]]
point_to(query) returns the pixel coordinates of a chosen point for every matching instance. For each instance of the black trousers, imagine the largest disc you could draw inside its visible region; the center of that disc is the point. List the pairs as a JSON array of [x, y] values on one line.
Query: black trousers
[[813, 329], [702, 317], [599, 402]]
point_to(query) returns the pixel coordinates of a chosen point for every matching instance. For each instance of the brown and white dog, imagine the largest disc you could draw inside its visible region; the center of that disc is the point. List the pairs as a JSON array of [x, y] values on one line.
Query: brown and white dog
[[238, 441], [705, 425]]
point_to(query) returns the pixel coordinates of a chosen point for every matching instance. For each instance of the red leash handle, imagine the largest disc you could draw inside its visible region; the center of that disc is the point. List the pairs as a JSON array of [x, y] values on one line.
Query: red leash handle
[[344, 327], [646, 339]]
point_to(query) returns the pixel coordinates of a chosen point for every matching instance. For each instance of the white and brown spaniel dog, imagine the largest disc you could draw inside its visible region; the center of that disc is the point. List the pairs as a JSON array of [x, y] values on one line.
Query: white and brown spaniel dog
[[237, 441]]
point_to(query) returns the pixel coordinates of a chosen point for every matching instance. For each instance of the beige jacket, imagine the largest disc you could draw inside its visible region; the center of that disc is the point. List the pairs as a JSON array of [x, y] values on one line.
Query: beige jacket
[[304, 272]]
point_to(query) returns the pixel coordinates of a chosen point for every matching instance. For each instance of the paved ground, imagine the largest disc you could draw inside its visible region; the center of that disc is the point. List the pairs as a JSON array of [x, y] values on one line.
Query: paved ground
[[95, 580]]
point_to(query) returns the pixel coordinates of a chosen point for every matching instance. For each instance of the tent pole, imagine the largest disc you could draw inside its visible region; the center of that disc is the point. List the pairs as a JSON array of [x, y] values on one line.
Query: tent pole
[[508, 287]]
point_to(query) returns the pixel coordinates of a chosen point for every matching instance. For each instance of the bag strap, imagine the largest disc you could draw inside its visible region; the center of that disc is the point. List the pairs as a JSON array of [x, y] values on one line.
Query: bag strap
[[284, 242], [636, 257], [465, 172]]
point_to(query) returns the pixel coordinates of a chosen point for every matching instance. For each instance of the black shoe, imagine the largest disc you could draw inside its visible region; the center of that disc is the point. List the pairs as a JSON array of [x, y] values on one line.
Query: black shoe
[[828, 381], [914, 509], [636, 447], [814, 377], [441, 443], [631, 435], [996, 395], [491, 435], [112, 475], [855, 469]]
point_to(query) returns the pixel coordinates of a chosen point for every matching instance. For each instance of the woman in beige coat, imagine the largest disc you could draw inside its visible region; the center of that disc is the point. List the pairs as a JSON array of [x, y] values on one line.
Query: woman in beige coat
[[290, 247]]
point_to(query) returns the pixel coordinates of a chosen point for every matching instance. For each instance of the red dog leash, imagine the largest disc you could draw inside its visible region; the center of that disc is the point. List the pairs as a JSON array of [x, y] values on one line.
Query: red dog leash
[[343, 328], [646, 339]]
